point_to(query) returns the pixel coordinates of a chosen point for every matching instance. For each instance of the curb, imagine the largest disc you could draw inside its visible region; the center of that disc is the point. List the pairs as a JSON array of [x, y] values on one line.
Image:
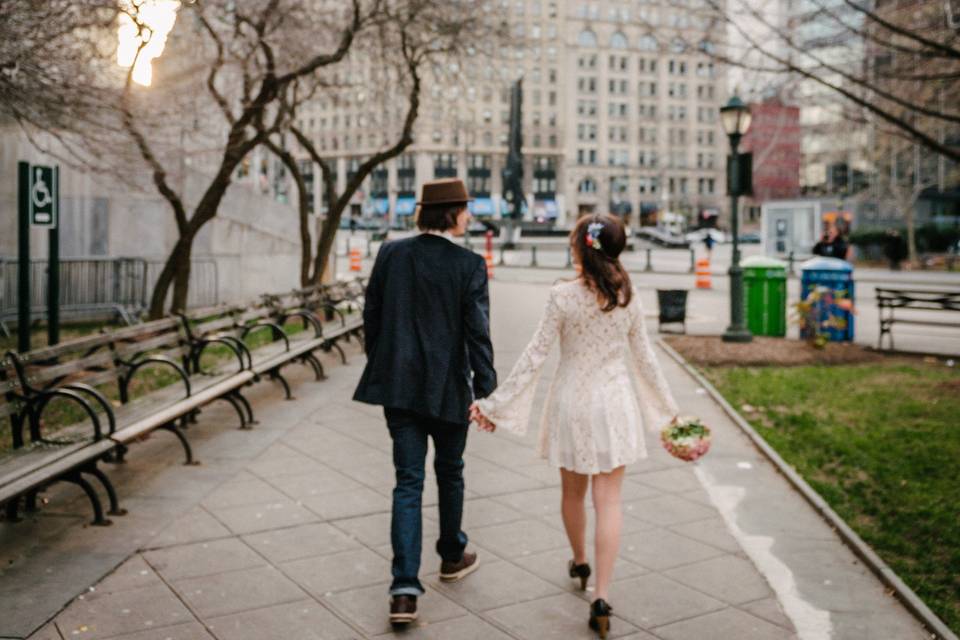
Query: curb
[[887, 576]]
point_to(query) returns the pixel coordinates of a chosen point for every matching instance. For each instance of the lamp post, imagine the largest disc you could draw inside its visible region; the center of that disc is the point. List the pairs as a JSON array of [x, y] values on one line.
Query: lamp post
[[735, 118]]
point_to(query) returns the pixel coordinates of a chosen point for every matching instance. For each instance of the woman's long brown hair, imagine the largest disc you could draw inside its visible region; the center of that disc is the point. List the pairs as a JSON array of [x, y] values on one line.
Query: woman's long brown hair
[[601, 268]]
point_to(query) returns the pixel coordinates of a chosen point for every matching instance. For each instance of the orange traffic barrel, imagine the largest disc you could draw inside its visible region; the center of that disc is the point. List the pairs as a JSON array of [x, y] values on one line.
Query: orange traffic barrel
[[703, 274], [355, 262]]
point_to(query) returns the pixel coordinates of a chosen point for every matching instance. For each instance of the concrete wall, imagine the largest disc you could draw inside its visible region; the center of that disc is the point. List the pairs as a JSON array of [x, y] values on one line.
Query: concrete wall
[[254, 240]]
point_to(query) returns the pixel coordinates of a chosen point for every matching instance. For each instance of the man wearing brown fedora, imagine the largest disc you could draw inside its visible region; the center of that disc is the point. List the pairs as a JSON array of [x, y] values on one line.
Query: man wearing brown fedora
[[429, 357]]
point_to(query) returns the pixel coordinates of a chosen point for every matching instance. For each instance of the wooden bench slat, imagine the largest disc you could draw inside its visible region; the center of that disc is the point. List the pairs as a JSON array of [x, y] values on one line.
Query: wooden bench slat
[[130, 349], [157, 419], [20, 462], [56, 468], [39, 374]]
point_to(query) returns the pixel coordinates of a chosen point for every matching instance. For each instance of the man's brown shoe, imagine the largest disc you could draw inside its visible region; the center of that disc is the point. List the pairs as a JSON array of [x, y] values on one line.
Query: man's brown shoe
[[453, 571], [403, 609]]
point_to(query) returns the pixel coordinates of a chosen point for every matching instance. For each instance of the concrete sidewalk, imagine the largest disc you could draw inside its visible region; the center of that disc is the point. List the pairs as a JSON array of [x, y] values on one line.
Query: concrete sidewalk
[[284, 533]]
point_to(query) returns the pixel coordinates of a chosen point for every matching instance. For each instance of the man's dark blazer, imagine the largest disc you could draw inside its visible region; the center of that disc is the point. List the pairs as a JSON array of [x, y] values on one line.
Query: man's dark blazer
[[426, 322]]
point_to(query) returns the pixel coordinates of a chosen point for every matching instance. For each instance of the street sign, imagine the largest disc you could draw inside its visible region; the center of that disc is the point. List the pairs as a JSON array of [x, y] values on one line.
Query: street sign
[[43, 197], [38, 205]]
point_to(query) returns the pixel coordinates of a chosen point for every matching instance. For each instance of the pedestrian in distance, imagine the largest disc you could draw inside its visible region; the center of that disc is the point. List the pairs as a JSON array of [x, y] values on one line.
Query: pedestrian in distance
[[429, 355], [832, 245], [590, 426], [708, 242]]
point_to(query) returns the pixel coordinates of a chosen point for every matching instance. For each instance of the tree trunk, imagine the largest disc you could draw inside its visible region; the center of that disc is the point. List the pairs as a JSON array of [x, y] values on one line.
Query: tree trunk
[[325, 243], [306, 242], [910, 222], [176, 271]]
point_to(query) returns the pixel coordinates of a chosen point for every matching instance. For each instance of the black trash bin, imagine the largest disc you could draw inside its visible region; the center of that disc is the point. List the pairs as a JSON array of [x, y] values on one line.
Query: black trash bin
[[673, 308]]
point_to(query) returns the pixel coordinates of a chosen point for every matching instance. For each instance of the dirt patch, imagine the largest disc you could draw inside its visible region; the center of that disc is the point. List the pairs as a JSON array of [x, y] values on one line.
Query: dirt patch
[[952, 386], [762, 351]]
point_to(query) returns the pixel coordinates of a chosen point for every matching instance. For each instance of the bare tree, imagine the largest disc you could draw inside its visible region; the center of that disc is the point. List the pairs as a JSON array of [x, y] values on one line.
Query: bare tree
[[53, 62], [870, 59], [258, 52], [413, 39]]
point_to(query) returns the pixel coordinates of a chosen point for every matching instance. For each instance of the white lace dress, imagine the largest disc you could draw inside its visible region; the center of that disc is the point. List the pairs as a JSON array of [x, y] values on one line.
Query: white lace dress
[[608, 384]]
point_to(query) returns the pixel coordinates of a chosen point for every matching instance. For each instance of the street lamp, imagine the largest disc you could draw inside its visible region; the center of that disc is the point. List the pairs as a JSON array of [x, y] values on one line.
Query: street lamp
[[735, 118]]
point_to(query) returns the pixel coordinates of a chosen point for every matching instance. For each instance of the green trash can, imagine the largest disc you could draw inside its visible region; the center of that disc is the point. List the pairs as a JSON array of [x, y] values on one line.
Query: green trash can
[[765, 295]]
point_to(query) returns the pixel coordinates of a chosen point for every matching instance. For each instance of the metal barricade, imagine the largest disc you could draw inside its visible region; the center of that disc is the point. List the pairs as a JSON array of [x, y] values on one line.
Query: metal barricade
[[99, 288]]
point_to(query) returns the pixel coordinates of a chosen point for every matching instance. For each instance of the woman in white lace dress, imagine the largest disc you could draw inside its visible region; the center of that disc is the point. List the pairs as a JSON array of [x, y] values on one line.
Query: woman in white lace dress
[[608, 386]]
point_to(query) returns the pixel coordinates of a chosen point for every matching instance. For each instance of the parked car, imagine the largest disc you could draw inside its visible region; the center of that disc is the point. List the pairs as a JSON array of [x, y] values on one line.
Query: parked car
[[699, 235], [750, 238], [662, 237]]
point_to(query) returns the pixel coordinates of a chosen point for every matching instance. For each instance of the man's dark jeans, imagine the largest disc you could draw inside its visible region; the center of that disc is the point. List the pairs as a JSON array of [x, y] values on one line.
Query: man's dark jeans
[[409, 431]]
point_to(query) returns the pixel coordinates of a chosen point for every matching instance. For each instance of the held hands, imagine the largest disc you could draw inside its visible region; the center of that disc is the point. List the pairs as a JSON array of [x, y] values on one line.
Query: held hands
[[483, 423]]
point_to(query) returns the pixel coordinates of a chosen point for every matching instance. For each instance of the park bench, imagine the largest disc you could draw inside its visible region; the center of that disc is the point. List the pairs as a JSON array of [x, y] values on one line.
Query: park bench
[[891, 300], [99, 374], [339, 304], [325, 313]]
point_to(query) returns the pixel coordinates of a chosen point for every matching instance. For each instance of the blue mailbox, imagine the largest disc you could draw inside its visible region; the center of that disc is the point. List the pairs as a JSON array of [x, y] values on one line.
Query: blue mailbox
[[836, 277]]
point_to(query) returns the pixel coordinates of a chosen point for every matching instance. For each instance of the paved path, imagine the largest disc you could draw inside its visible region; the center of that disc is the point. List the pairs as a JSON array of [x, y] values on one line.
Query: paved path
[[283, 533]]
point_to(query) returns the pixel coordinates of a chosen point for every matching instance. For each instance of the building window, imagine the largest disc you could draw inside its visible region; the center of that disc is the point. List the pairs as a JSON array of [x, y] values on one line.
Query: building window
[[618, 41], [478, 174], [647, 89], [306, 172], [648, 43], [406, 175], [444, 165], [587, 38], [587, 185], [587, 61]]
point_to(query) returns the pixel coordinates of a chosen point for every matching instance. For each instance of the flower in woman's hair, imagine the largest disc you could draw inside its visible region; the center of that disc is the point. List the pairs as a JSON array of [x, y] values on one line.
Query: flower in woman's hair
[[593, 235]]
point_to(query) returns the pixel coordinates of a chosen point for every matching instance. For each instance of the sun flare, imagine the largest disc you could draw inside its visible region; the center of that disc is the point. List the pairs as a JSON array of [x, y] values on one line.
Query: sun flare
[[158, 18]]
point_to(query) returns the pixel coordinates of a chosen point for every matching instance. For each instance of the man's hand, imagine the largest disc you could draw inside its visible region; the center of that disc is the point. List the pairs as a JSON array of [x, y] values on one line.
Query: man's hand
[[483, 423]]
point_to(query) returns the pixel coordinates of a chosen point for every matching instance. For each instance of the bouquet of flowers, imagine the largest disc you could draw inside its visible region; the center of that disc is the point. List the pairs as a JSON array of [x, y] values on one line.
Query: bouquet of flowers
[[687, 439]]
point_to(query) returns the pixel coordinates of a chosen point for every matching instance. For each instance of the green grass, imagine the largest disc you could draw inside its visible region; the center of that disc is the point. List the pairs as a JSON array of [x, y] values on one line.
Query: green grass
[[881, 443]]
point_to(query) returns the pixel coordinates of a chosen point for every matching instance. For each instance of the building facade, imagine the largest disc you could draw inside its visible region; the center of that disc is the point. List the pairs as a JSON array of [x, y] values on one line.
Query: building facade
[[774, 140], [826, 41], [620, 114], [911, 175]]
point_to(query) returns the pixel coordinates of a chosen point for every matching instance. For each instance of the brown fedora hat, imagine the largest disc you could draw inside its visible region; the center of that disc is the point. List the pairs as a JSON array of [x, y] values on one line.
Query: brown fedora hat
[[446, 191]]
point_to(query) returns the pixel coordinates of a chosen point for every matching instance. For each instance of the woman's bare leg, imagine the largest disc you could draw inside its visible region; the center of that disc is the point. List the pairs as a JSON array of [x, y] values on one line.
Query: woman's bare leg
[[574, 487], [606, 502]]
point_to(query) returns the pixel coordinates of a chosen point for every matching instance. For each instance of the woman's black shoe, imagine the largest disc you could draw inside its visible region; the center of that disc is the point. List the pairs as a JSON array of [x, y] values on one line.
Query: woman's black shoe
[[581, 571], [600, 617]]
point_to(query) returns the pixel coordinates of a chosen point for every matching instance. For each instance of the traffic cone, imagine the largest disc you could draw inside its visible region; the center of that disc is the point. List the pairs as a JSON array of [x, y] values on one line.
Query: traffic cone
[[703, 274], [355, 261]]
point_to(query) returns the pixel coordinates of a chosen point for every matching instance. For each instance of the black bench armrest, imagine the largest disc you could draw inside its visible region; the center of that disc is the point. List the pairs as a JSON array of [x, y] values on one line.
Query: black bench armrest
[[139, 363], [39, 402], [276, 329], [81, 387], [308, 319], [236, 346], [332, 308]]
